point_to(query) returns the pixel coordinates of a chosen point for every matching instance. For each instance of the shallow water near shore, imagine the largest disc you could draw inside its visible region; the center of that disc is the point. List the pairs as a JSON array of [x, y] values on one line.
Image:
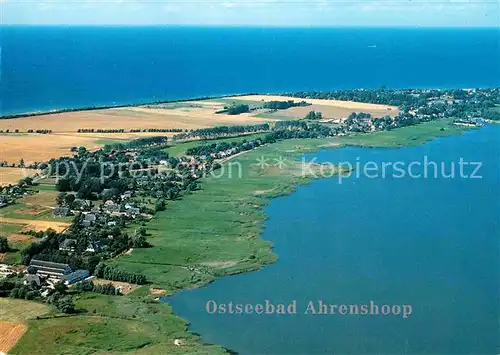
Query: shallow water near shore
[[430, 243]]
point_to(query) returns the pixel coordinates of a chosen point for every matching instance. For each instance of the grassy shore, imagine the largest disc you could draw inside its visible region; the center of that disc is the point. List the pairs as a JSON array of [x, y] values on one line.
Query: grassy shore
[[211, 233]]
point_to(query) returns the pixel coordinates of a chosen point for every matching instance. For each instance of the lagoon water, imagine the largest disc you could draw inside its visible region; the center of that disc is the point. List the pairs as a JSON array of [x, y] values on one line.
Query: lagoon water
[[46, 68], [432, 243]]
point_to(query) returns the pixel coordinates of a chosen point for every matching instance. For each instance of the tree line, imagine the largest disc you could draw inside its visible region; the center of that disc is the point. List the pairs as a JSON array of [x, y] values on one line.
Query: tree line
[[122, 130], [236, 147], [89, 286], [283, 105], [39, 131], [222, 131], [114, 273], [235, 109]]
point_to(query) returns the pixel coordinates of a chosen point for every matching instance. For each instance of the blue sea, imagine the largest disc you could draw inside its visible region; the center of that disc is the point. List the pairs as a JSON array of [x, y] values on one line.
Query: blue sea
[[47, 68]]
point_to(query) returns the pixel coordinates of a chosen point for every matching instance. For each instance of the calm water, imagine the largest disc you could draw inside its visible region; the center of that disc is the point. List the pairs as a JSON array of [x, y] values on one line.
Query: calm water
[[430, 243], [47, 68]]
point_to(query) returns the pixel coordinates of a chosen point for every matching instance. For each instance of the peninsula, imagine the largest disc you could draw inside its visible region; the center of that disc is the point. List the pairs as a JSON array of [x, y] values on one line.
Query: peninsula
[[105, 211]]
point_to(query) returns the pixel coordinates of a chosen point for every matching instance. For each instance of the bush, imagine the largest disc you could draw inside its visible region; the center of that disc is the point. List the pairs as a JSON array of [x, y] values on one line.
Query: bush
[[4, 245]]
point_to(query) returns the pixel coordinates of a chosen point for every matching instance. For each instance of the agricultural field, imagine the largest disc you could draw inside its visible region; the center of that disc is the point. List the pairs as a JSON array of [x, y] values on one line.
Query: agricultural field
[[16, 240], [186, 115], [14, 318], [329, 108], [30, 213], [40, 147], [36, 225], [143, 327], [328, 112], [10, 335], [161, 116], [34, 147], [13, 175], [37, 206]]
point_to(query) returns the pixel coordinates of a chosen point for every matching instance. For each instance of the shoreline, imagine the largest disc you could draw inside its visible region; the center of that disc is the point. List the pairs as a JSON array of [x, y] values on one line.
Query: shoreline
[[195, 98], [430, 139], [105, 107], [253, 253], [288, 190]]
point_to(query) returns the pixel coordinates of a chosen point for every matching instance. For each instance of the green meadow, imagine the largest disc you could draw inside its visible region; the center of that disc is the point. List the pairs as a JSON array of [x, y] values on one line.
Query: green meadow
[[215, 231], [111, 325], [210, 233]]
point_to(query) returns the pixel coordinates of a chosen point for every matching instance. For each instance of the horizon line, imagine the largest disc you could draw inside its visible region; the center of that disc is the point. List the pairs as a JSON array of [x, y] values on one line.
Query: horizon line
[[497, 27]]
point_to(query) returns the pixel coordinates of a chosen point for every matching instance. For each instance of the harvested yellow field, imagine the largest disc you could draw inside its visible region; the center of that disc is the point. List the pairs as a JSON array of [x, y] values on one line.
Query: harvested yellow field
[[196, 117], [65, 126], [40, 147], [127, 118], [350, 105], [13, 175], [331, 112], [19, 238], [184, 115], [13, 314], [36, 225], [10, 333]]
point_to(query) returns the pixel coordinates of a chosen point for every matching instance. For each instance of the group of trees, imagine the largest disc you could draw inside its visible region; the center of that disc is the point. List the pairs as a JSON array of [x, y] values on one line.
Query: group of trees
[[361, 116], [64, 198], [160, 205], [59, 298], [100, 130], [429, 104], [4, 245], [236, 147], [47, 249], [89, 286], [138, 143], [283, 105], [39, 131], [492, 114], [122, 176], [137, 130], [235, 109], [13, 286], [114, 273], [377, 96], [223, 131], [159, 130], [313, 115]]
